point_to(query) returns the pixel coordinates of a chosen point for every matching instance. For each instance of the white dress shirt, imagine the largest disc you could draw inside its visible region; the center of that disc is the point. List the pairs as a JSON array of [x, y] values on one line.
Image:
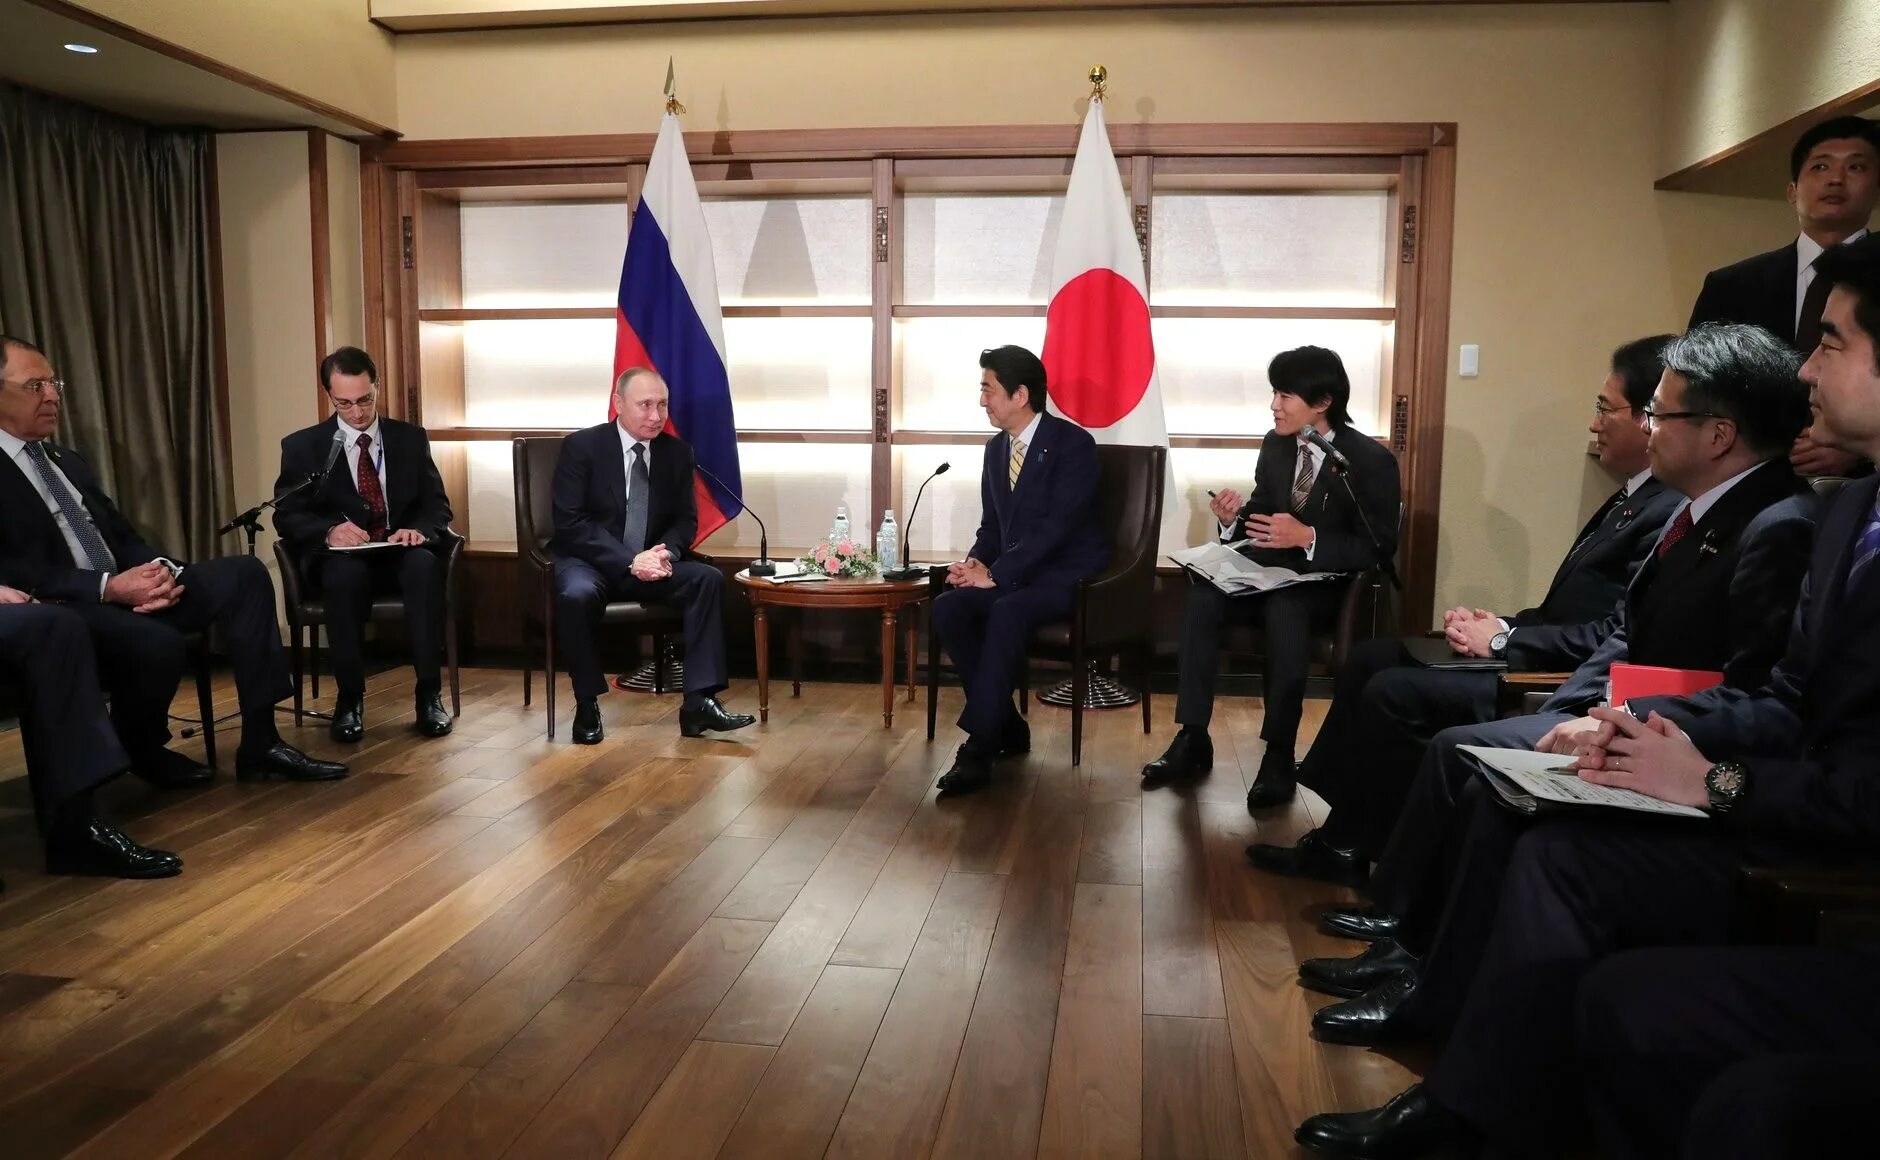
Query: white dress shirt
[[626, 450], [1807, 250], [1700, 507], [352, 451], [1632, 485], [14, 448]]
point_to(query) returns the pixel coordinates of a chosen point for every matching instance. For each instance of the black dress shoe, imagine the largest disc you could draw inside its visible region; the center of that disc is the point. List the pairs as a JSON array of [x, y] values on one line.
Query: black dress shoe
[[711, 716], [1310, 857], [1359, 974], [1274, 785], [1370, 1020], [102, 850], [349, 720], [1191, 754], [169, 769], [433, 721], [587, 723], [1411, 1124], [284, 761], [969, 773], [1365, 923], [1015, 742]]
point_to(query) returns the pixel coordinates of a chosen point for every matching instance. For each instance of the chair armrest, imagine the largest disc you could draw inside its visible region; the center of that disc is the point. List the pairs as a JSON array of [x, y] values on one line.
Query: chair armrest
[[1512, 689], [289, 568], [1809, 904]]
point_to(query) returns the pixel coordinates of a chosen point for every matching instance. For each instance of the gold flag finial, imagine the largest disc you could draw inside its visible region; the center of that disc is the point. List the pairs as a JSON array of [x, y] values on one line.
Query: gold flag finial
[[1098, 75], [672, 91]]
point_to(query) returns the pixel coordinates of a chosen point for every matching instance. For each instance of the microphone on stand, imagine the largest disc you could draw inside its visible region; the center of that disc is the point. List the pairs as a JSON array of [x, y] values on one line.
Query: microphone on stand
[[907, 571], [1337, 457], [333, 453], [762, 566]]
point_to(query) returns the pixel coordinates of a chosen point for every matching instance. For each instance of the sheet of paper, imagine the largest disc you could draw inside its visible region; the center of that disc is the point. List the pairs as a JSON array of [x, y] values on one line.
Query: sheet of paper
[[376, 545], [1232, 572], [1551, 777]]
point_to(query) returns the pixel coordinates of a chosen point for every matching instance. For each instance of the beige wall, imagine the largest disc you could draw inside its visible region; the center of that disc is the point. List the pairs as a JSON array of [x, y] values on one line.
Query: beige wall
[[324, 49], [1562, 248], [1738, 67], [267, 270]]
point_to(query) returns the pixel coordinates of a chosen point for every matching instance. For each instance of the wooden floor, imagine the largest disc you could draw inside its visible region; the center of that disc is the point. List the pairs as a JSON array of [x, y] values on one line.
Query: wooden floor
[[777, 945]]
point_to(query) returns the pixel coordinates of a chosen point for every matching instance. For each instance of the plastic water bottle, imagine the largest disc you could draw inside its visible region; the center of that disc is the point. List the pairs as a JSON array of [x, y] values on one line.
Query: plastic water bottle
[[888, 541], [839, 530]]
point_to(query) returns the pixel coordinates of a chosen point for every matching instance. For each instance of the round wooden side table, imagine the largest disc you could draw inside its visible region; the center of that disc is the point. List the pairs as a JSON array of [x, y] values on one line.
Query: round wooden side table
[[889, 596]]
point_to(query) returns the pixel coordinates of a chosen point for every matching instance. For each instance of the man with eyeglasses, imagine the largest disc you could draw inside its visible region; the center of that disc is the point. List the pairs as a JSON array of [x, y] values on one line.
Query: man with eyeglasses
[[1717, 594], [382, 488], [64, 541], [1387, 704]]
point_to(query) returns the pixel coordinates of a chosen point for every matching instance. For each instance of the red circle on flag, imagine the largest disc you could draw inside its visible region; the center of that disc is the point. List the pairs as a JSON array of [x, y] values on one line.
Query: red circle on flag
[[1097, 353]]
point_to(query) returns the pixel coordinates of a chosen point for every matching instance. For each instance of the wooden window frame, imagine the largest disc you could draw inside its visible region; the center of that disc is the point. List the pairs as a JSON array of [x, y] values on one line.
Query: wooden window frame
[[413, 270]]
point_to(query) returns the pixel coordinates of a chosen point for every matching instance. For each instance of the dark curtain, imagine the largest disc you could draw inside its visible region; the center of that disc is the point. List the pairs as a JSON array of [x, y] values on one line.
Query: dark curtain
[[105, 246]]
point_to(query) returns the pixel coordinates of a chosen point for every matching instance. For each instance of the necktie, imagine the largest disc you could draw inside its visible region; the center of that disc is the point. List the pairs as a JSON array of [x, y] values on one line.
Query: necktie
[[98, 554], [1867, 547], [1597, 522], [370, 491], [1018, 461], [639, 494], [1302, 483], [1808, 326], [1679, 527]]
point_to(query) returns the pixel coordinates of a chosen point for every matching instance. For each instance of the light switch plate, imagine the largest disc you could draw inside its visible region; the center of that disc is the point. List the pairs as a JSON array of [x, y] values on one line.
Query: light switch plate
[[1471, 360]]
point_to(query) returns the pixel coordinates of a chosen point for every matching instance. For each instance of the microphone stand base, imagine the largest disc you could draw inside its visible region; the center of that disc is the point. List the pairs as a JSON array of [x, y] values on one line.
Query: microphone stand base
[[910, 573], [762, 568]]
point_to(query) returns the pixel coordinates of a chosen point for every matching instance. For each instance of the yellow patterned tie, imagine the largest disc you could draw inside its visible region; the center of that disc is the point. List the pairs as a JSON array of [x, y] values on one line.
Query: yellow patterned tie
[[1302, 483], [1018, 461]]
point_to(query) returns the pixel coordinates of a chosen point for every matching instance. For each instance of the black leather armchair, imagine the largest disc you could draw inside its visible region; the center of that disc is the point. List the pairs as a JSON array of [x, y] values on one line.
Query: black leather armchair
[[1110, 613], [535, 525]]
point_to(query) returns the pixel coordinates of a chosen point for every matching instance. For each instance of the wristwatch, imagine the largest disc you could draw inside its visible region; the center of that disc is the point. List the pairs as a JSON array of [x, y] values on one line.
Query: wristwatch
[[1498, 645], [1726, 783]]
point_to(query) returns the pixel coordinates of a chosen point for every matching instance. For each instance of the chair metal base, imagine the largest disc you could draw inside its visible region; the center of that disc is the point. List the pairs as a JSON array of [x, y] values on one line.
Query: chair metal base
[[1100, 692], [641, 680]]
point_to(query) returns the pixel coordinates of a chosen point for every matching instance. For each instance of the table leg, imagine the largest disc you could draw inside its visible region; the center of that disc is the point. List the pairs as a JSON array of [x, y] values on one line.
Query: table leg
[[796, 652], [760, 624], [913, 636], [887, 666]]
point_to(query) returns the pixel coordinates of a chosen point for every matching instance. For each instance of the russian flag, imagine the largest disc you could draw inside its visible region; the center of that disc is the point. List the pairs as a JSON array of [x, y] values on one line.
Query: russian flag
[[669, 320]]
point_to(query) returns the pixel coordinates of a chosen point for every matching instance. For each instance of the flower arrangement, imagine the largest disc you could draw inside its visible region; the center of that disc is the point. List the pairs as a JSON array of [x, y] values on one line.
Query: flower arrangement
[[843, 558]]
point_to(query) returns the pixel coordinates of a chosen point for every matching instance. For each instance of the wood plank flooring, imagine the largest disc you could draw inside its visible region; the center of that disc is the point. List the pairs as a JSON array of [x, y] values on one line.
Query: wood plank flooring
[[777, 945]]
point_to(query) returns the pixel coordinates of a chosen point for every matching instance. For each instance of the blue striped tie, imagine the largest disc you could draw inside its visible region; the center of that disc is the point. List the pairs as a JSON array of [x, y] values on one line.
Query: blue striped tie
[[1867, 547], [76, 517]]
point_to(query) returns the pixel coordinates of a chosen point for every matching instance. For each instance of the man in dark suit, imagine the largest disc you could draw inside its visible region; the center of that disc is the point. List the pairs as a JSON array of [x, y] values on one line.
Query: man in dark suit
[[70, 745], [1302, 517], [378, 484], [1036, 540], [1731, 1051], [1786, 771], [1834, 183], [1386, 706], [1716, 595], [64, 541], [625, 517]]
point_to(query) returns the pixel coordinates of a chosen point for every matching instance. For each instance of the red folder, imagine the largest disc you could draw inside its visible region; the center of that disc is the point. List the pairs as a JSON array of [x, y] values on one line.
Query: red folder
[[1629, 681]]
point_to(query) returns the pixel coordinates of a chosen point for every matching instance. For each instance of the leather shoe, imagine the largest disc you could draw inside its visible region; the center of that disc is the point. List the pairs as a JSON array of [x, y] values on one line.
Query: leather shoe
[[1359, 974], [711, 716], [1274, 785], [1310, 857], [1015, 742], [587, 722], [1371, 1019], [284, 761], [169, 769], [1191, 754], [1410, 1124], [1364, 923], [349, 720], [101, 850], [433, 721], [969, 773]]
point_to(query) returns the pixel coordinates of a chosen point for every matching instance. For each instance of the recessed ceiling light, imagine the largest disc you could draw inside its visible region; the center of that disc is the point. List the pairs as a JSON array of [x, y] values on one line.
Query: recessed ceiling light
[[85, 49]]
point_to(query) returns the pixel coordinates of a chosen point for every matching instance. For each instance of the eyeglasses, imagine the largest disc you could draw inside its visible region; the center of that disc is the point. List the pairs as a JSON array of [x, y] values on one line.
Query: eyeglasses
[[37, 386], [1652, 416], [354, 404], [1602, 408]]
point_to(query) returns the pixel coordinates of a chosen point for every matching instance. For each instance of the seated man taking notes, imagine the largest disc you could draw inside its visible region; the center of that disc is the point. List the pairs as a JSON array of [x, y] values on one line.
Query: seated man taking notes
[[1037, 538], [625, 516], [379, 485]]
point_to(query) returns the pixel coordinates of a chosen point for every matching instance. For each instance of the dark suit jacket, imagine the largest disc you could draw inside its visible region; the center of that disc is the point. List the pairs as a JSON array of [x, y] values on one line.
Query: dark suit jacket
[[590, 497], [1605, 556], [414, 492], [1343, 545], [1045, 531], [1811, 734], [1759, 290], [1719, 600], [33, 555]]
